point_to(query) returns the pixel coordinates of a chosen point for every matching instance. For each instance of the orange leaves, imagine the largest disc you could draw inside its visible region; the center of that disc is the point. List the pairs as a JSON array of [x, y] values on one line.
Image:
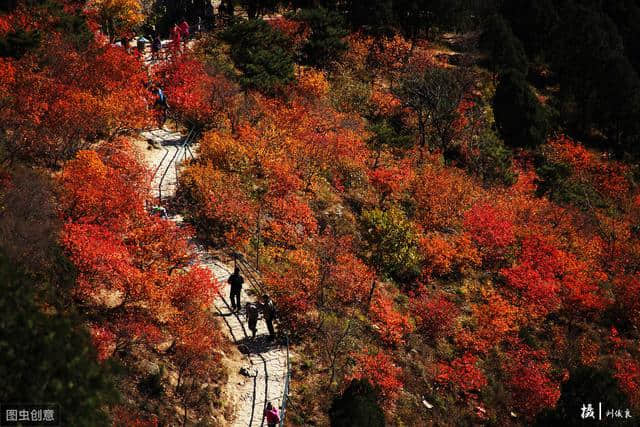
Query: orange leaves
[[312, 83], [441, 195], [130, 261], [350, 279], [390, 324], [118, 17], [444, 254], [222, 206], [380, 370], [95, 193], [63, 100], [497, 320], [295, 287], [222, 151]]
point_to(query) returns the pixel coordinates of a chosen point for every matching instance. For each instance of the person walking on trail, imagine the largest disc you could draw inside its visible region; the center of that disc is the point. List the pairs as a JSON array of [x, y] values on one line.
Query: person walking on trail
[[162, 105], [184, 31], [253, 311], [236, 281], [176, 36], [156, 45], [272, 415], [269, 312]]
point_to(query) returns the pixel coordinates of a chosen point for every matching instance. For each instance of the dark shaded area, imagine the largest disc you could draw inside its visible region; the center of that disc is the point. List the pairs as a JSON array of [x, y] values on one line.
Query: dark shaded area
[[357, 407], [47, 357]]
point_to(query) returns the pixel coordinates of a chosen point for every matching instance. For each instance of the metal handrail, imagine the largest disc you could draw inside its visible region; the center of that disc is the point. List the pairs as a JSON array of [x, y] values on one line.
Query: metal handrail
[[285, 393], [251, 273], [185, 143]]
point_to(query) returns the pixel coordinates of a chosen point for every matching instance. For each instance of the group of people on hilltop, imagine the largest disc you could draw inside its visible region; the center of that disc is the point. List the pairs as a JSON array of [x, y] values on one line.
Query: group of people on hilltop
[[252, 309], [180, 34]]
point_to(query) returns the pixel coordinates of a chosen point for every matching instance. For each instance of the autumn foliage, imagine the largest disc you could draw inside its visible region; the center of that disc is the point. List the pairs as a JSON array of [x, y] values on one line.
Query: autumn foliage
[[441, 263], [128, 261]]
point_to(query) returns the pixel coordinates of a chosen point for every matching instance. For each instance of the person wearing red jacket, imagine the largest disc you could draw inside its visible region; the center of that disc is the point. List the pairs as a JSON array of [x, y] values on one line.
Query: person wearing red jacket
[[272, 415], [184, 30], [176, 36]]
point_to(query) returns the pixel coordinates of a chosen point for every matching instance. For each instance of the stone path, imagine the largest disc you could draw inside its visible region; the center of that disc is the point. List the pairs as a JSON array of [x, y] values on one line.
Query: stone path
[[266, 362]]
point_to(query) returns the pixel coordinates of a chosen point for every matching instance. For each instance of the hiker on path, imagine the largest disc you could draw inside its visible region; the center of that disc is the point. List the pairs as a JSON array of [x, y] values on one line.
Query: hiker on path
[[176, 36], [253, 311], [236, 281], [161, 104], [269, 312], [156, 45], [272, 415], [184, 31]]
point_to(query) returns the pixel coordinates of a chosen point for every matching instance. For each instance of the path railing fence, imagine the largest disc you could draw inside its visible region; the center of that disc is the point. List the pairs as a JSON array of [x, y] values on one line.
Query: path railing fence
[[252, 275], [248, 270]]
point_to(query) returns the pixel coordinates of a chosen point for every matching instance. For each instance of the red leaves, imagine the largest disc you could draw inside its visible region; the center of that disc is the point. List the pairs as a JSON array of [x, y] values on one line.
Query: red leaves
[[64, 100], [628, 376], [463, 375], [103, 263], [194, 94], [528, 379], [609, 178], [350, 279], [130, 260], [490, 231], [390, 182], [547, 277], [380, 370], [434, 314], [103, 340], [391, 325]]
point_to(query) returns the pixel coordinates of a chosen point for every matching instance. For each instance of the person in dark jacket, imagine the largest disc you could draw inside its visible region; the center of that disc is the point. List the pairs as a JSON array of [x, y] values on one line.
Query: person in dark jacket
[[156, 45], [236, 281], [253, 311], [269, 313]]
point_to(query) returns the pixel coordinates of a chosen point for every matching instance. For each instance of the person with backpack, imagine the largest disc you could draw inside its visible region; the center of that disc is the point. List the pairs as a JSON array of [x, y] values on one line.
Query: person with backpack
[[253, 311], [236, 281], [156, 45], [161, 104], [269, 312], [272, 415]]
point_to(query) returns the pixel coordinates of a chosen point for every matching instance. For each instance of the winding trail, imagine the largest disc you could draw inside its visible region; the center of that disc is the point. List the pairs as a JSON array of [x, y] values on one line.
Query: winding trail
[[266, 363]]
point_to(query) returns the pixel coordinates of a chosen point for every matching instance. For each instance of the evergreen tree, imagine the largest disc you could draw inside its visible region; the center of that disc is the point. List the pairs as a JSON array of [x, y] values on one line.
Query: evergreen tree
[[262, 54], [325, 42], [532, 21], [520, 118], [506, 50], [44, 358], [357, 407]]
